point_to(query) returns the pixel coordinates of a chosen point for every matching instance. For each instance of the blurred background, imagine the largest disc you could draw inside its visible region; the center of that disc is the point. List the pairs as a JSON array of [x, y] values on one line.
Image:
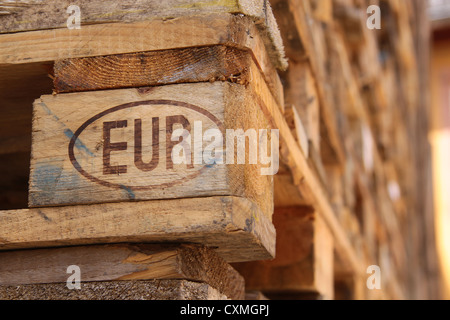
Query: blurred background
[[439, 14]]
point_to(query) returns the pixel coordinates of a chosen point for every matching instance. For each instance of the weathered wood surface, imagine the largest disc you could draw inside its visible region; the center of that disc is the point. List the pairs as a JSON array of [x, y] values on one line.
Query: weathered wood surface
[[303, 177], [304, 260], [118, 145], [38, 15], [199, 64], [122, 262], [314, 47], [115, 290], [238, 229], [50, 15], [120, 38]]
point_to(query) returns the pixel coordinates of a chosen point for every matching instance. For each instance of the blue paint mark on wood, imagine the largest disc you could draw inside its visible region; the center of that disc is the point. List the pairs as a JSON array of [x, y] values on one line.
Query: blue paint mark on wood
[[78, 143], [49, 112], [129, 191], [69, 133]]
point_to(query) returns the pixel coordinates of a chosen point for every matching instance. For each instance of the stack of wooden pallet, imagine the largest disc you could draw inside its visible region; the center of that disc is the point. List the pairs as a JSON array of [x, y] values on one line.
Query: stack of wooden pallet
[[92, 116]]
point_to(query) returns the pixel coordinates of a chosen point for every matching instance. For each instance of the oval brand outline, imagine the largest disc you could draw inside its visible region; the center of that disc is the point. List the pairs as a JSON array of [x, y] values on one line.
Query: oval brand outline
[[86, 124]]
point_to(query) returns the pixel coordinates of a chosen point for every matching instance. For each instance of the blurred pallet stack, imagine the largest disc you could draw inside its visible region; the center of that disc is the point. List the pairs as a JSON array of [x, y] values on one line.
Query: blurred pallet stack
[[88, 118], [360, 98]]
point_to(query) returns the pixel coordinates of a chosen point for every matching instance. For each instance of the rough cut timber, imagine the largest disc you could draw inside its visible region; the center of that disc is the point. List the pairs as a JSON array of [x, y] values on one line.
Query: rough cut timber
[[303, 177], [300, 92], [313, 41], [235, 226], [115, 290], [369, 84], [36, 15], [106, 146], [122, 262], [304, 260], [190, 65], [158, 34], [162, 67]]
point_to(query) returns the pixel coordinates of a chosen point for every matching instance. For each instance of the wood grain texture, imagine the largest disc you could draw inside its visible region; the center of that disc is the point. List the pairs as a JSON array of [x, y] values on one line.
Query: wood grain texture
[[122, 262], [304, 261], [87, 174], [51, 15], [235, 226], [303, 176], [313, 39], [300, 92], [115, 290], [158, 34], [286, 193], [200, 64]]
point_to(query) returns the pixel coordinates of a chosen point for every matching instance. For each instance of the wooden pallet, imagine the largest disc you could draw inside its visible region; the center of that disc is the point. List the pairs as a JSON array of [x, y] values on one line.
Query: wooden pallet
[[99, 96]]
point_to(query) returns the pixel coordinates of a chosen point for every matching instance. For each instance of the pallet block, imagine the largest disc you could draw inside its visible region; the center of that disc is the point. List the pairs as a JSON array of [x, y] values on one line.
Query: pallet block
[[110, 146], [304, 261]]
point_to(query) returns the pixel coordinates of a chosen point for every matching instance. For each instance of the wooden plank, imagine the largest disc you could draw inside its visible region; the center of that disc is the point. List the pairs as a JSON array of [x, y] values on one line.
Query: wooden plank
[[304, 261], [189, 65], [120, 38], [286, 193], [108, 146], [235, 226], [298, 130], [314, 47], [115, 290], [294, 48], [48, 15], [300, 91], [200, 64], [302, 176], [122, 262]]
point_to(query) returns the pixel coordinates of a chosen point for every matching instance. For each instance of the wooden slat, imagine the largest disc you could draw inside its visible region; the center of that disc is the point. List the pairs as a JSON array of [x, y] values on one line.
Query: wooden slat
[[304, 261], [122, 38], [143, 69], [300, 91], [302, 14], [303, 177], [233, 225], [49, 15], [121, 262]]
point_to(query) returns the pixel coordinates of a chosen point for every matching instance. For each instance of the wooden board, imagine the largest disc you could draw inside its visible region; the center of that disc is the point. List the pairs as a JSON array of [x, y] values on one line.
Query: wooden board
[[300, 92], [159, 34], [314, 47], [108, 146], [235, 226], [38, 15], [304, 260], [115, 290], [199, 64], [121, 262], [303, 177]]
